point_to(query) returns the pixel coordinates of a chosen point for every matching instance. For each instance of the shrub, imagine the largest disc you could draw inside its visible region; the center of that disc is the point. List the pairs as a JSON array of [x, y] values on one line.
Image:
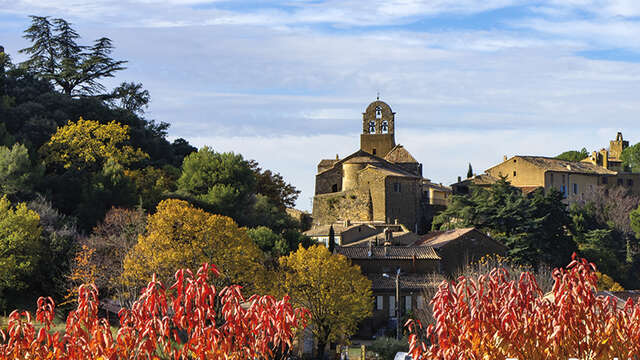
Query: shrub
[[387, 347], [191, 320], [497, 318]]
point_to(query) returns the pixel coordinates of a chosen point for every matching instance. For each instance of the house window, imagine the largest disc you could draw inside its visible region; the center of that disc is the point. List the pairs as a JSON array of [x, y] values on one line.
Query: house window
[[564, 190], [630, 182], [605, 180], [374, 151], [575, 188], [334, 188], [379, 304], [407, 303], [397, 187], [420, 302], [514, 173], [392, 306]]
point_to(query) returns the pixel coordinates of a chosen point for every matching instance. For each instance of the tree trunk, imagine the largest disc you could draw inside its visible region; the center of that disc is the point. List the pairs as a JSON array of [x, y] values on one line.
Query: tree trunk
[[321, 347]]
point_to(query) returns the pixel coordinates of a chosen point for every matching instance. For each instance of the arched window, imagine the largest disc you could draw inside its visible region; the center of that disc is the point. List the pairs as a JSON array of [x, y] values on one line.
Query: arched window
[[385, 126], [372, 127], [378, 112]]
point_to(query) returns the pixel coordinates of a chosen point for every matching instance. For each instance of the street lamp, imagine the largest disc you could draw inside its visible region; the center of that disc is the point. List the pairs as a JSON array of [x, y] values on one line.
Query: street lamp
[[397, 304]]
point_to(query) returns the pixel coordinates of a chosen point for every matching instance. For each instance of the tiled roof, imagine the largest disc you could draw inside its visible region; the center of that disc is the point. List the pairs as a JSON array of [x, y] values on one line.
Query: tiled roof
[[437, 239], [363, 157], [391, 252], [480, 179], [623, 296], [406, 281], [553, 164], [429, 183], [400, 155]]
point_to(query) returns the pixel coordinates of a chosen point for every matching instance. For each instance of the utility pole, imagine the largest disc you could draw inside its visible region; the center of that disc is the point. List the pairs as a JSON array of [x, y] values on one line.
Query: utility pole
[[398, 329]]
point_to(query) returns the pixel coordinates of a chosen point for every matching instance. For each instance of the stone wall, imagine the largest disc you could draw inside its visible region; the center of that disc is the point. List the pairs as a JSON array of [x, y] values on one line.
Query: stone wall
[[329, 181], [344, 205]]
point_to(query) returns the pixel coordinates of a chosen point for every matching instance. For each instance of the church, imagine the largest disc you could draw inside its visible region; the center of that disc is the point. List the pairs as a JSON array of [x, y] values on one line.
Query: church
[[380, 183]]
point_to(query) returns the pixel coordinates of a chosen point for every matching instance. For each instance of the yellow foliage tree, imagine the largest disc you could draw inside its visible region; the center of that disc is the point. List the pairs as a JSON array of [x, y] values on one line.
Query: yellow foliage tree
[[606, 282], [336, 292], [83, 271], [87, 143], [179, 236]]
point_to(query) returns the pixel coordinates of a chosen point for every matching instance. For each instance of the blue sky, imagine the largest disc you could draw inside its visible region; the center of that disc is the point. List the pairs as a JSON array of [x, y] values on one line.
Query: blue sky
[[285, 82]]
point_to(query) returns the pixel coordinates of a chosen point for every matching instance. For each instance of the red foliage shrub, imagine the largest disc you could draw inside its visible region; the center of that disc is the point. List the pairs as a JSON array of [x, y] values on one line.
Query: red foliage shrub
[[495, 318], [214, 325]]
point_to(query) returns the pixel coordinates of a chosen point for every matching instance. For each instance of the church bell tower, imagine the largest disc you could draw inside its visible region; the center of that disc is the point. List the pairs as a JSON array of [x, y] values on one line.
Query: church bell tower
[[378, 123]]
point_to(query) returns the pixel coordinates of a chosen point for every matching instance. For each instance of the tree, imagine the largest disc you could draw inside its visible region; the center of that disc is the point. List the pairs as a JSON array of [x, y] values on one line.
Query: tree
[[225, 181], [336, 293], [535, 228], [109, 243], [58, 245], [332, 239], [573, 155], [469, 172], [631, 157], [87, 144], [19, 246], [190, 320], [153, 184], [180, 235], [496, 317], [56, 56], [268, 241], [17, 174], [130, 96], [274, 187]]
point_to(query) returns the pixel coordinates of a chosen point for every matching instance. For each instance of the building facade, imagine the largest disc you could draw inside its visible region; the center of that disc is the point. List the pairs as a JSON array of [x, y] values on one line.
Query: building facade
[[380, 183]]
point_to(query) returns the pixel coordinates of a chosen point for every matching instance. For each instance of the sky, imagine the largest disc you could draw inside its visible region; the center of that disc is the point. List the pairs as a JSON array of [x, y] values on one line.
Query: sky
[[286, 82]]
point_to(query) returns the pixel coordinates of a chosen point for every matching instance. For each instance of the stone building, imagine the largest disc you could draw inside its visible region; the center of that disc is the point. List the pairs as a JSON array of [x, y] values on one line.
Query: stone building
[[381, 182], [574, 179]]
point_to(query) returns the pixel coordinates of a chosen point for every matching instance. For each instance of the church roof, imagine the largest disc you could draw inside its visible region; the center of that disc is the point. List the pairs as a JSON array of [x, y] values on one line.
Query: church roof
[[400, 155], [378, 163], [388, 171]]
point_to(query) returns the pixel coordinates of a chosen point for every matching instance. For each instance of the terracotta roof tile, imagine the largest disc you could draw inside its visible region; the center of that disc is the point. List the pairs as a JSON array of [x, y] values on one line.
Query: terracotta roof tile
[[553, 164], [437, 239], [400, 155], [392, 252]]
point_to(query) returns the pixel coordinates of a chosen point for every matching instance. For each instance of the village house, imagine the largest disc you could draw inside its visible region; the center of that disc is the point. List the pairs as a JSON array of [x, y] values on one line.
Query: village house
[[573, 179]]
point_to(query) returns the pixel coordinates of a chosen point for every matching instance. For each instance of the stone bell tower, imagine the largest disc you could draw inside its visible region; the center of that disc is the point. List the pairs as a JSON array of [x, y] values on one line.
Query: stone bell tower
[[378, 123]]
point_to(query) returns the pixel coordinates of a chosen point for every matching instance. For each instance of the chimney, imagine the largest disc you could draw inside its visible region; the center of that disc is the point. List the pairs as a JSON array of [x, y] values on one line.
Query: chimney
[[459, 178], [386, 248], [337, 157], [347, 223], [504, 158]]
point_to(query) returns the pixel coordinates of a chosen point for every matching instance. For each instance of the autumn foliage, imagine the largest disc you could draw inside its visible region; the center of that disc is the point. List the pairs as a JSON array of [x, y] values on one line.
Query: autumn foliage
[[497, 318], [190, 320]]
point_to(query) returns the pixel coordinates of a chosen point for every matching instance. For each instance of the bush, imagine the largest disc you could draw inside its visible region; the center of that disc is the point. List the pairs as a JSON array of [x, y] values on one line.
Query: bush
[[497, 317], [191, 320], [387, 347]]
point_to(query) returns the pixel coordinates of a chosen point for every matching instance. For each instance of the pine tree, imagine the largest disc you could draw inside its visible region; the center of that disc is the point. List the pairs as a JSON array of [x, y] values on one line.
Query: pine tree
[[470, 172], [332, 239]]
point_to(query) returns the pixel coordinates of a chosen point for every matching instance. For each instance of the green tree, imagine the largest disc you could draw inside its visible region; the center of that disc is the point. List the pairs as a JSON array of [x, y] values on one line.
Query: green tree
[[535, 228], [225, 181], [268, 241], [573, 155], [469, 172], [19, 246], [56, 56], [17, 174], [274, 187], [631, 157], [130, 96], [335, 292]]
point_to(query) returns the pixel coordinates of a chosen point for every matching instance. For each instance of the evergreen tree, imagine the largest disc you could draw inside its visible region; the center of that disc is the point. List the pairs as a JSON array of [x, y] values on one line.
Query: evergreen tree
[[332, 239], [470, 172], [56, 56]]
